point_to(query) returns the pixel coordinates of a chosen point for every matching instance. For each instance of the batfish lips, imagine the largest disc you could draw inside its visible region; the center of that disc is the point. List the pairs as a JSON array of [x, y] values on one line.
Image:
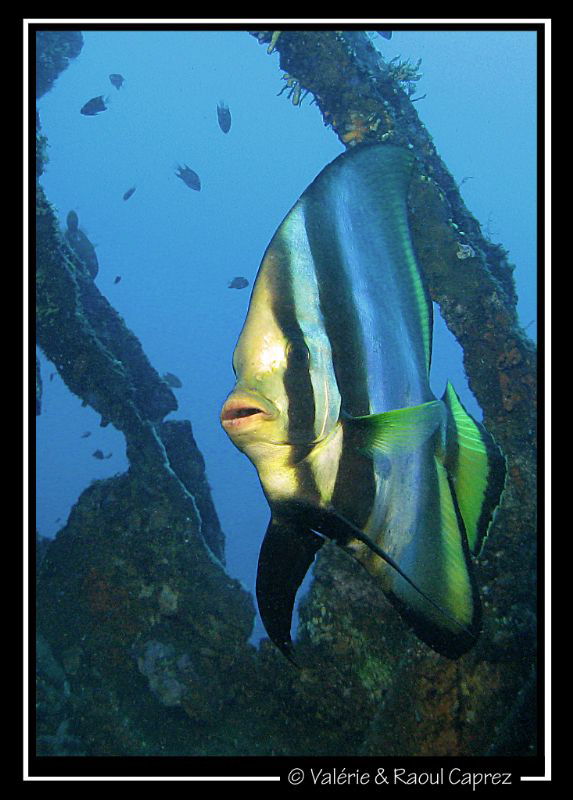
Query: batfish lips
[[244, 411]]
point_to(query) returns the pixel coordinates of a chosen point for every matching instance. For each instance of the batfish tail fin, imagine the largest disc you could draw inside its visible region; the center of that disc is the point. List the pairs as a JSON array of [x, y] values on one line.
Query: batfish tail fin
[[432, 581], [470, 475], [441, 570], [477, 468]]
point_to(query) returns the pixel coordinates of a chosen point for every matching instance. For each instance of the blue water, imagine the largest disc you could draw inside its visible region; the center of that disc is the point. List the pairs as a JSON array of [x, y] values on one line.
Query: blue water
[[176, 249]]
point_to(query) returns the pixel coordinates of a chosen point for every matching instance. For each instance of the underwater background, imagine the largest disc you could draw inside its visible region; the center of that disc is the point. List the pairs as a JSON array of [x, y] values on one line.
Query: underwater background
[[166, 255]]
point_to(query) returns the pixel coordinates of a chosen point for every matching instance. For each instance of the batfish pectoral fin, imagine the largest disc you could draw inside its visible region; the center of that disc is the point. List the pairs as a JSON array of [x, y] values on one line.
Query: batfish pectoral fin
[[398, 431], [477, 468], [287, 552]]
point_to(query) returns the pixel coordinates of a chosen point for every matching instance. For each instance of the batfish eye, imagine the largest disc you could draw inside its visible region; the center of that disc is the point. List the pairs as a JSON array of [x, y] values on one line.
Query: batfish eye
[[298, 352]]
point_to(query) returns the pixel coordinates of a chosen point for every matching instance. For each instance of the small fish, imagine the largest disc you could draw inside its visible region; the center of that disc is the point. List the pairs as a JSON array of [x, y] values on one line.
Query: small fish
[[93, 106], [117, 279], [172, 380], [190, 178], [385, 34], [99, 454], [129, 192], [117, 80], [238, 283], [333, 406], [72, 221], [52, 375], [80, 244], [224, 117], [85, 435]]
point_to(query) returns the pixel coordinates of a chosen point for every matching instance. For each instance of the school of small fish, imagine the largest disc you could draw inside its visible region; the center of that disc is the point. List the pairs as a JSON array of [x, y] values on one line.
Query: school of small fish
[[77, 238]]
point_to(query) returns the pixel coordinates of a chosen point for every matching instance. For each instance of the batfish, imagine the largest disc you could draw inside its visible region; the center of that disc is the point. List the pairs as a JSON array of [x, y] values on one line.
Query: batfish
[[333, 406]]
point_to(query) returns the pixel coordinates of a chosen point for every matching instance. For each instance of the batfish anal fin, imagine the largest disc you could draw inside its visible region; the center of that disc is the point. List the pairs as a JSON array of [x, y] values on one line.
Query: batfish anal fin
[[399, 431], [452, 639], [287, 552]]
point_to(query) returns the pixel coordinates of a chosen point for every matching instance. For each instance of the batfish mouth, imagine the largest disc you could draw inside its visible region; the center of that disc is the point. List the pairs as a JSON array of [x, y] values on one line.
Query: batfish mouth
[[241, 412]]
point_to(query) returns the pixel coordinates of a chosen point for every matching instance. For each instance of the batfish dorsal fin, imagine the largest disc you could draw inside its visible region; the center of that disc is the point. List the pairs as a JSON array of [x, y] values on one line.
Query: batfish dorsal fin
[[287, 552]]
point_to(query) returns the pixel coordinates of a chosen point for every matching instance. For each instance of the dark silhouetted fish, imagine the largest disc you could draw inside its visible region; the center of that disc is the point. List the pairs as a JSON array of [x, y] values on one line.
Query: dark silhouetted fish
[[385, 34], [72, 221], [172, 380], [118, 278], [224, 117], [333, 406], [85, 435], [129, 192], [190, 178], [117, 80], [80, 244], [100, 456], [93, 106], [238, 283]]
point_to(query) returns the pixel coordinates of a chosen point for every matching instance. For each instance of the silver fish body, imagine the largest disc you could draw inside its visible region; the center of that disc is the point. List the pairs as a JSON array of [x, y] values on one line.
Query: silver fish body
[[333, 406]]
